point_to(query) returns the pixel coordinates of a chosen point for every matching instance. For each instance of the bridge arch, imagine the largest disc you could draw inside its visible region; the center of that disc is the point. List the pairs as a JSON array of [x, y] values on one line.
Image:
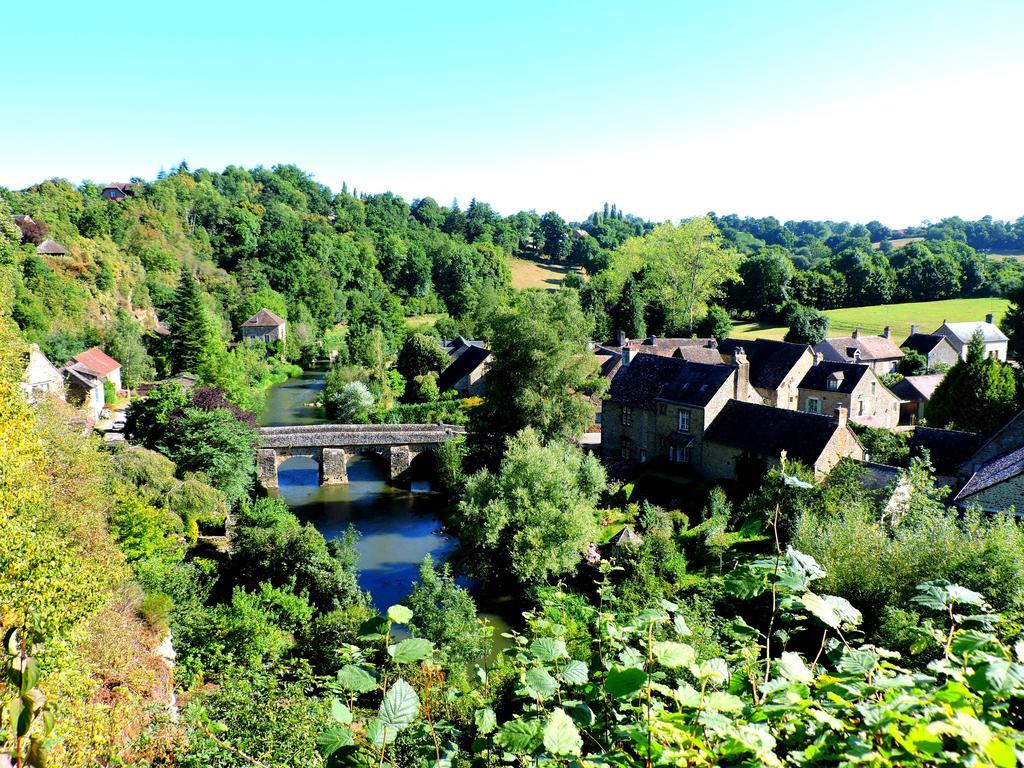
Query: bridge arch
[[330, 445]]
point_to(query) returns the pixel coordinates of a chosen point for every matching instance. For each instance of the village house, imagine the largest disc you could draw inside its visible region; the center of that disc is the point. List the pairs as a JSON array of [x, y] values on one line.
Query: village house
[[42, 378], [996, 471], [776, 368], [455, 347], [466, 372], [51, 248], [118, 190], [959, 336], [914, 393], [264, 326], [829, 385], [84, 389], [879, 352], [708, 416], [101, 365], [933, 347]]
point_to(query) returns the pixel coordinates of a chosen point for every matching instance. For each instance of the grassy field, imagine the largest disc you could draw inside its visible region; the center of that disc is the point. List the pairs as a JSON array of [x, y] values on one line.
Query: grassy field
[[927, 315], [536, 274], [899, 242], [422, 321]]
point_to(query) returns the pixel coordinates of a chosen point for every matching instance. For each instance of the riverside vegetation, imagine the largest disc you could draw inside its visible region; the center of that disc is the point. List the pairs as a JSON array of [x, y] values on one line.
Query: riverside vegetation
[[784, 623]]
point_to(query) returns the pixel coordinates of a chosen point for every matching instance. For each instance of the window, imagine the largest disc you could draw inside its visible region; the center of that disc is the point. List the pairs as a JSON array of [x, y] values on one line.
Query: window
[[679, 454], [626, 448], [643, 454], [874, 388], [627, 417], [833, 384], [813, 405], [266, 338], [683, 420], [860, 406], [597, 417]]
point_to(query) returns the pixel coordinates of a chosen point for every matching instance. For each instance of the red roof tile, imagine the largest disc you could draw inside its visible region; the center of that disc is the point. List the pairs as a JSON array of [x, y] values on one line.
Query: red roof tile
[[96, 359]]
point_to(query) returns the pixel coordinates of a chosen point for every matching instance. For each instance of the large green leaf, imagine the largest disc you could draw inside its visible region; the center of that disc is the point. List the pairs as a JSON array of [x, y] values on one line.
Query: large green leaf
[[356, 679], [940, 595], [372, 629], [622, 683], [792, 667], [674, 654], [520, 737], [413, 649], [998, 677], [485, 720], [399, 614], [574, 672], [540, 683], [331, 741], [340, 712], [400, 705], [831, 610], [377, 733], [561, 736], [547, 649]]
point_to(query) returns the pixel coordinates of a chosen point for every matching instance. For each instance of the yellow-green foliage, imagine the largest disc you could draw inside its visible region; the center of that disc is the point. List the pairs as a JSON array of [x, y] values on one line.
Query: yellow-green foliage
[[61, 570]]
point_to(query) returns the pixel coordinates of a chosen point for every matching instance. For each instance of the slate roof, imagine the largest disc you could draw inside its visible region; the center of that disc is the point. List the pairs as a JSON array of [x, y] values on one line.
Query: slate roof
[[768, 431], [126, 187], [652, 377], [707, 355], [964, 331], [770, 361], [656, 345], [999, 470], [51, 248], [923, 343], [457, 345], [627, 537], [608, 359], [462, 366], [262, 319], [97, 360], [947, 448], [870, 348], [76, 373], [917, 388], [817, 377]]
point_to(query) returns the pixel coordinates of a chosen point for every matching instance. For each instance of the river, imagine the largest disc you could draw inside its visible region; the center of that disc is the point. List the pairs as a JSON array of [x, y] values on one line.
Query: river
[[397, 526]]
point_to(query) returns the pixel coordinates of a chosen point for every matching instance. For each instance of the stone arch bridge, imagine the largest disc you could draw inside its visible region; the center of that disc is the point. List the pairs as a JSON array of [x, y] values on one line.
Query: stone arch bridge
[[330, 445]]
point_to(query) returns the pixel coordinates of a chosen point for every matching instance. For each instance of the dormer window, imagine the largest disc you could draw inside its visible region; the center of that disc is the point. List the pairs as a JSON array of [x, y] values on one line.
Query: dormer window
[[834, 381]]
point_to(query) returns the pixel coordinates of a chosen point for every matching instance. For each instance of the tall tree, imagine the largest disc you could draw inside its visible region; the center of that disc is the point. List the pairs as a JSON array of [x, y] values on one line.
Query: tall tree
[[124, 344], [192, 333], [977, 395], [1013, 322], [629, 312], [542, 374], [687, 261]]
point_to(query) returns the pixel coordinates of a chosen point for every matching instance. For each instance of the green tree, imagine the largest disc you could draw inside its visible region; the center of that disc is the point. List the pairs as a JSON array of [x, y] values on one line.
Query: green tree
[[978, 394], [1012, 323], [192, 333], [807, 325], [420, 355], [716, 323], [686, 261], [765, 279], [445, 614], [536, 515], [217, 444], [629, 312], [542, 374], [124, 344]]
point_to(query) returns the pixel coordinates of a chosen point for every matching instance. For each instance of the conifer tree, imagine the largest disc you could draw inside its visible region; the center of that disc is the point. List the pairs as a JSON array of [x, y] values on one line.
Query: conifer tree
[[977, 395], [192, 334], [629, 314]]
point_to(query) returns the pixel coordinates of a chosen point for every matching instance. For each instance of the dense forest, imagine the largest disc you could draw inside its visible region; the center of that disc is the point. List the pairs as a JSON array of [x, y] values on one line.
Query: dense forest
[[770, 622]]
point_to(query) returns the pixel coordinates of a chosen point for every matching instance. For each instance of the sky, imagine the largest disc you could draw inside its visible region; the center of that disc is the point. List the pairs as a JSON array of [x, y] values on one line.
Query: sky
[[897, 111]]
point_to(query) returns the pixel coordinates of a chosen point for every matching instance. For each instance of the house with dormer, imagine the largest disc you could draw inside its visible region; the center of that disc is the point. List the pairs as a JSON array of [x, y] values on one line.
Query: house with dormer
[[878, 352], [855, 387], [776, 368]]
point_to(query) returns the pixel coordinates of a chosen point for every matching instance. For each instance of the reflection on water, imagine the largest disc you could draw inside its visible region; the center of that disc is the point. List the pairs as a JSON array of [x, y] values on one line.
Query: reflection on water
[[397, 528]]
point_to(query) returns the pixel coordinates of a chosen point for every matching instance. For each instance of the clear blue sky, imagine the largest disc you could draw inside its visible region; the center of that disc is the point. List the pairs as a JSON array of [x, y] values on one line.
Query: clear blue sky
[[857, 110]]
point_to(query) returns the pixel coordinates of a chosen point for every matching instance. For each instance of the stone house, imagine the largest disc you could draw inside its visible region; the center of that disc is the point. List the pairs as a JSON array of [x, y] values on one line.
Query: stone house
[[84, 388], [914, 393], [101, 365], [856, 387], [879, 352], [466, 373], [776, 368], [996, 471], [264, 326], [708, 416], [743, 433], [41, 378], [959, 336], [933, 347], [118, 190]]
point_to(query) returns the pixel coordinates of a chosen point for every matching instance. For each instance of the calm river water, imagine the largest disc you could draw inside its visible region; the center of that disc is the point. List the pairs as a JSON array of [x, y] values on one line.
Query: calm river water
[[397, 527]]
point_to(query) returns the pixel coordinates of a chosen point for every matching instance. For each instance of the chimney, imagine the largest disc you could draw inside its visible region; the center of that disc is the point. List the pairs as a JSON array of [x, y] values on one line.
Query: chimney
[[627, 355], [913, 329], [856, 332], [651, 340], [840, 415], [990, 318], [886, 332], [819, 357], [739, 359], [856, 356], [620, 338]]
